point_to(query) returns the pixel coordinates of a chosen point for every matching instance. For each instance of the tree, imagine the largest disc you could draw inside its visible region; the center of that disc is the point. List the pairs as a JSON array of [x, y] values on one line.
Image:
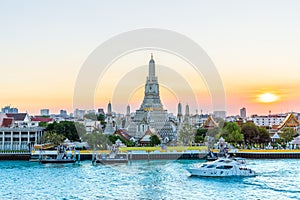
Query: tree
[[67, 129], [264, 136], [154, 140], [43, 124], [186, 134], [101, 118], [96, 139], [287, 134], [53, 137], [232, 133], [200, 135], [114, 138], [250, 132]]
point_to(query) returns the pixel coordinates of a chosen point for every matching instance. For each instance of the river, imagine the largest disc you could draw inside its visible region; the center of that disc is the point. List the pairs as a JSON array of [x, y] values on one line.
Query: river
[[277, 179]]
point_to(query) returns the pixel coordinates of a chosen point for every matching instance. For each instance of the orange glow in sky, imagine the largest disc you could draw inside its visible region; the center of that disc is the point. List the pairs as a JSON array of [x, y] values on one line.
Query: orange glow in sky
[[268, 97], [256, 54]]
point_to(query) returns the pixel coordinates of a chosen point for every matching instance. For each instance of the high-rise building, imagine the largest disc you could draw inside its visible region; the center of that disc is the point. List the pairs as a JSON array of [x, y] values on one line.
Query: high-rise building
[[63, 113], [243, 113], [45, 112], [8, 109]]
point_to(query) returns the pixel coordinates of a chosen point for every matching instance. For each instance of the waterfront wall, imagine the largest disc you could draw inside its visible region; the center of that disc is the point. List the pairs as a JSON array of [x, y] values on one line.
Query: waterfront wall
[[280, 155], [168, 156], [153, 156], [15, 156], [165, 156], [195, 156]]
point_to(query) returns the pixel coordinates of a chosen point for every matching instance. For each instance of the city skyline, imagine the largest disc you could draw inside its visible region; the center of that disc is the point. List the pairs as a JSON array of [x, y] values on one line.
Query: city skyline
[[253, 45]]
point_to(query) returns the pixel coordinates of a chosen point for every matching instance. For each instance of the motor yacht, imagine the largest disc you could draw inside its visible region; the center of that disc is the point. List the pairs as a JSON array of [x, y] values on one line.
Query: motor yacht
[[223, 167]]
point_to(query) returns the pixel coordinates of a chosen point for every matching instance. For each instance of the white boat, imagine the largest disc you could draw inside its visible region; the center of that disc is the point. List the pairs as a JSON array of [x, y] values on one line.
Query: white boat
[[223, 167], [112, 158]]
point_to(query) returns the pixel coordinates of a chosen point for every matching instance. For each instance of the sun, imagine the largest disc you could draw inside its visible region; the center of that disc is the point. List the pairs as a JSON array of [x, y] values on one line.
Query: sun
[[268, 97]]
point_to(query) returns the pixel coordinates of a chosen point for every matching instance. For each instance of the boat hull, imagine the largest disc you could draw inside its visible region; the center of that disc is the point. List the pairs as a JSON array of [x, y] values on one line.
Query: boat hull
[[221, 173], [110, 161], [55, 161]]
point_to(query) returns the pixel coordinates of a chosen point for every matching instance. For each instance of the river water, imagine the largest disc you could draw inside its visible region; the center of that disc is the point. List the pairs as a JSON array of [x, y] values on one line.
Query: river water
[[277, 179]]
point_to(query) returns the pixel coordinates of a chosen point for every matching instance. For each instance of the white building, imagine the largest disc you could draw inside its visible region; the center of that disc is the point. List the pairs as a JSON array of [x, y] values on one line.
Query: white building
[[22, 120], [18, 132], [19, 138], [268, 120]]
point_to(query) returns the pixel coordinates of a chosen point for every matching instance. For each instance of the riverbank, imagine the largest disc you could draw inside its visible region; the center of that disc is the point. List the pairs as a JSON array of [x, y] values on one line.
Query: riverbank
[[182, 153]]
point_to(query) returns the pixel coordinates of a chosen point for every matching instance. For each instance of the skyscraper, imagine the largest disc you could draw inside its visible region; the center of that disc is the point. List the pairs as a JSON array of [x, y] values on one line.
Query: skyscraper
[[8, 109], [243, 113], [45, 112]]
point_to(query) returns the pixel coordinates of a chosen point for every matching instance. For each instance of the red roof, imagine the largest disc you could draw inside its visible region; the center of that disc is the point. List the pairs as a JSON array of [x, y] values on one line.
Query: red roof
[[123, 133], [17, 116], [7, 122], [41, 119]]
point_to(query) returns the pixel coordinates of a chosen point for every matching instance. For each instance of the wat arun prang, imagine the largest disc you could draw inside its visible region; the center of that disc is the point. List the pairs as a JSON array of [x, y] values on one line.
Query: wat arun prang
[[151, 115]]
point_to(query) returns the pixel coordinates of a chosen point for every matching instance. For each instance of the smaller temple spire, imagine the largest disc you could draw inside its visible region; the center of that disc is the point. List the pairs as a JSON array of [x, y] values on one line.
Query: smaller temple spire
[[109, 108], [128, 110], [187, 110], [151, 76], [179, 109]]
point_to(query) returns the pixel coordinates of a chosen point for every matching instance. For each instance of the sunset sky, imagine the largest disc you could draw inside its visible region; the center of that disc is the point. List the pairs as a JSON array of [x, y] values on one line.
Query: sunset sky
[[255, 46]]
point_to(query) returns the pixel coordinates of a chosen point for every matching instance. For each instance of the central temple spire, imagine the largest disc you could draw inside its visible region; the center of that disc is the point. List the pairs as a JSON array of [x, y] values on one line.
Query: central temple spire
[[151, 76], [151, 98]]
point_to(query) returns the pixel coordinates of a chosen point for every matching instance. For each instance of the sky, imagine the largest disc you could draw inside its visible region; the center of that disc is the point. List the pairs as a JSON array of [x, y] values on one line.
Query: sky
[[254, 45]]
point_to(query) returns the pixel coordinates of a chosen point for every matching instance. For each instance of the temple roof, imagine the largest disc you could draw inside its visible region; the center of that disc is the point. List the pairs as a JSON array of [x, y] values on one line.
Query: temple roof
[[148, 133], [210, 123], [289, 121], [123, 133]]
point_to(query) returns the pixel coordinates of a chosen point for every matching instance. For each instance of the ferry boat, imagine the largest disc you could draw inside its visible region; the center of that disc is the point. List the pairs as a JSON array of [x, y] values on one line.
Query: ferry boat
[[112, 158], [62, 157], [223, 167], [110, 161]]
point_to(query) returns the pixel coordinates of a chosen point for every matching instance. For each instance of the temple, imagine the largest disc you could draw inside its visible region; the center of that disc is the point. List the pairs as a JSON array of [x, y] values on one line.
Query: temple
[[151, 114]]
